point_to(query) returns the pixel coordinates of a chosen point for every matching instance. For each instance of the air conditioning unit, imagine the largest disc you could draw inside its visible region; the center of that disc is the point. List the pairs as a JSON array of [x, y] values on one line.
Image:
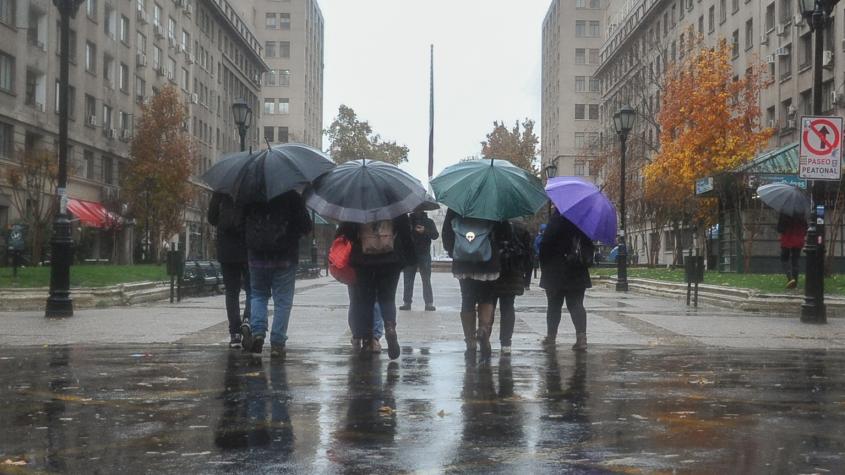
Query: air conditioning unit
[[827, 58], [142, 16], [158, 30], [780, 29], [125, 135], [770, 59], [791, 110], [195, 98], [141, 59], [782, 51], [798, 20], [111, 133], [790, 124], [189, 9], [92, 120], [764, 39], [190, 58], [180, 48]]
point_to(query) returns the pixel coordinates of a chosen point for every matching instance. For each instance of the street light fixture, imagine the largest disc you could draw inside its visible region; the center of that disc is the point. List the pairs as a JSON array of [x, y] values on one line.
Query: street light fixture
[[59, 302], [817, 14], [623, 122], [243, 118], [550, 170]]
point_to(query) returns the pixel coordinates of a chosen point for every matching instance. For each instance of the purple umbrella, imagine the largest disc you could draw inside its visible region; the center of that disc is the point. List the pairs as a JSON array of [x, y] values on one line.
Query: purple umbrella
[[585, 205]]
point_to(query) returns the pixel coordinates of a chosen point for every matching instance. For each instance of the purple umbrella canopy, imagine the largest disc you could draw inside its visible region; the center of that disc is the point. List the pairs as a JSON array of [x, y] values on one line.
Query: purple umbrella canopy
[[582, 203]]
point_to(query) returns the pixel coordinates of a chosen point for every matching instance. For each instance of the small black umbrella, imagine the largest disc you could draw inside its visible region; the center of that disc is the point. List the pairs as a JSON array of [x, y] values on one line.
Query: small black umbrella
[[363, 191], [266, 174]]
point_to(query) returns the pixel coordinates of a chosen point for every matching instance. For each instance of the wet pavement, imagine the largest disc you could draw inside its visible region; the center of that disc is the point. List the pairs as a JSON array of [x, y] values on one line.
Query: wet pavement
[[662, 389]]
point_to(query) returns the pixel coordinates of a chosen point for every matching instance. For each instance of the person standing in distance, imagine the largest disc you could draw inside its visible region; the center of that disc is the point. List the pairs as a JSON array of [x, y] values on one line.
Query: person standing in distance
[[423, 231]]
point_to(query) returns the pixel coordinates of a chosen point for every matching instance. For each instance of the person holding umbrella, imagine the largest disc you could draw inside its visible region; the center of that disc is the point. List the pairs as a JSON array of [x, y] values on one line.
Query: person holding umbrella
[[371, 199], [481, 195], [793, 205], [582, 214]]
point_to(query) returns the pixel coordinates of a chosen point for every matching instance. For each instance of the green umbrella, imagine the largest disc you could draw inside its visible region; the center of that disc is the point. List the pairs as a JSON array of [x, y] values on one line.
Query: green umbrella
[[489, 189]]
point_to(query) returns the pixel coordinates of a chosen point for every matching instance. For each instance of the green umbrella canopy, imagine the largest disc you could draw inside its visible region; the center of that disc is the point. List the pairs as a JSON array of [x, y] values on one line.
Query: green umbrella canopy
[[491, 189]]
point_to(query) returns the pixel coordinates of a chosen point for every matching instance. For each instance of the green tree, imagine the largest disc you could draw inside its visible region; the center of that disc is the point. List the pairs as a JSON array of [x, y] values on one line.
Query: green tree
[[517, 145], [155, 184], [33, 182], [353, 139]]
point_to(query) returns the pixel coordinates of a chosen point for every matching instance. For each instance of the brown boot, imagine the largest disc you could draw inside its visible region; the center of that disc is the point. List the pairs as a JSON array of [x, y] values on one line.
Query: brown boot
[[392, 340], [485, 327], [580, 342], [468, 322]]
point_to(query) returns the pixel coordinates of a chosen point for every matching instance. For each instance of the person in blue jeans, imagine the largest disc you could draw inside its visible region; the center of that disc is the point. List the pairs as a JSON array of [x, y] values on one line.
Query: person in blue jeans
[[359, 333], [273, 231]]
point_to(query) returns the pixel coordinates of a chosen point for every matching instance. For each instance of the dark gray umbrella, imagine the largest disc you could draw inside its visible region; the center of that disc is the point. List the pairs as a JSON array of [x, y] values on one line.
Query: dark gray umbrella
[[430, 204], [266, 174], [363, 191], [785, 199]]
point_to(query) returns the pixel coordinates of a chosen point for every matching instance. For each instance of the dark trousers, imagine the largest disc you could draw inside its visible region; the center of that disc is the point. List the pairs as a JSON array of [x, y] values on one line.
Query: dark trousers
[[506, 324], [375, 284], [423, 265], [789, 260], [574, 299], [235, 278], [474, 292]]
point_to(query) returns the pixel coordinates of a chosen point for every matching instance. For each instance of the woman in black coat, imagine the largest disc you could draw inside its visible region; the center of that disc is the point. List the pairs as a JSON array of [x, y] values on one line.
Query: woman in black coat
[[564, 281], [231, 253], [517, 262]]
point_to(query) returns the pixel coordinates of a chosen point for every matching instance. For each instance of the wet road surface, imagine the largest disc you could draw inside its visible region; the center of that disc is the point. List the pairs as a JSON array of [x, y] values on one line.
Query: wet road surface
[[178, 408]]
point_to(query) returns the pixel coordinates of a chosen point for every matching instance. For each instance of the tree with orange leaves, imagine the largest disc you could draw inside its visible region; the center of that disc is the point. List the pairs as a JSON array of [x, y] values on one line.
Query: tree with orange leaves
[[155, 184], [709, 123]]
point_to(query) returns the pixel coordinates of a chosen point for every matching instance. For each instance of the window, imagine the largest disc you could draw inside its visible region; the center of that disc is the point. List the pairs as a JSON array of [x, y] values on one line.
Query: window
[[673, 16], [90, 110], [580, 139], [284, 21], [270, 78], [749, 33], [735, 44], [770, 17], [284, 106], [7, 140], [723, 10], [580, 83], [186, 79], [72, 40], [140, 43], [88, 158], [270, 21], [106, 116], [283, 135], [71, 100], [123, 78], [681, 46], [594, 29], [109, 20], [594, 112], [186, 41], [805, 51], [580, 111], [7, 72], [269, 134], [270, 49], [107, 170], [156, 15], [108, 71], [580, 56], [269, 106], [580, 28], [595, 4], [680, 9], [90, 57], [701, 25], [580, 168], [734, 6], [785, 11], [711, 19], [125, 122], [171, 28], [140, 89], [785, 63], [827, 96], [594, 56], [595, 85], [156, 57], [284, 49], [807, 102], [7, 11], [91, 9], [284, 77], [581, 4], [786, 110]]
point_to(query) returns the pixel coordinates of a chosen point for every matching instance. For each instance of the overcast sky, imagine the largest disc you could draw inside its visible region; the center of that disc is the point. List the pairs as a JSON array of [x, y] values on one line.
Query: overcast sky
[[486, 67]]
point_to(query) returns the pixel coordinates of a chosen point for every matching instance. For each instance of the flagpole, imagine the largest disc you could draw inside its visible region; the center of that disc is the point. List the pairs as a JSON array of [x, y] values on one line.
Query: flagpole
[[431, 118]]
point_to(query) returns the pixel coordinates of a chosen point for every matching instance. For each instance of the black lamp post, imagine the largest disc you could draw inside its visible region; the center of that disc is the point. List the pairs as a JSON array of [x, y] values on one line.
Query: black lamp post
[[623, 122], [817, 14], [59, 303], [243, 118], [551, 172]]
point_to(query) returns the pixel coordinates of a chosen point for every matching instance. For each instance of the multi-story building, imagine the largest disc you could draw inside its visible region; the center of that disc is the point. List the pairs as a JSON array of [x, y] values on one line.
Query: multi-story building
[[122, 52], [291, 32], [573, 32]]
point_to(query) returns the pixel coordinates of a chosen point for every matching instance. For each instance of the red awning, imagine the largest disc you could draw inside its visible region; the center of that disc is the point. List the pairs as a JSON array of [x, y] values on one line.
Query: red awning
[[93, 214]]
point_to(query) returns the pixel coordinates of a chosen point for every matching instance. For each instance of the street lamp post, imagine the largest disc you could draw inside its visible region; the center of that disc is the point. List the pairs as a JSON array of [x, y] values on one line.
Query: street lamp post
[[623, 122], [59, 302], [817, 14], [551, 172], [243, 118]]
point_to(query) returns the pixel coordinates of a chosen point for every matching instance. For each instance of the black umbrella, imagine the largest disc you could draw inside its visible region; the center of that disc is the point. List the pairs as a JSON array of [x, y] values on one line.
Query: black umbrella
[[363, 191], [264, 175]]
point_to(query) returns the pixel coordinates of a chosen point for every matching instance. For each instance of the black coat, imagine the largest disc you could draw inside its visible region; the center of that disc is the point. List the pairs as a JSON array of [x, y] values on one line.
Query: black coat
[[555, 245], [403, 247], [290, 208], [459, 267], [516, 273], [422, 242], [231, 245]]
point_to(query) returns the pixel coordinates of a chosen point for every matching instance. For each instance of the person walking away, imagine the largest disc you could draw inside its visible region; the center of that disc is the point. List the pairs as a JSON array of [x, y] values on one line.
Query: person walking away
[[472, 245], [792, 230], [228, 218], [516, 267], [565, 256], [351, 317], [536, 248], [273, 231], [380, 250], [423, 232]]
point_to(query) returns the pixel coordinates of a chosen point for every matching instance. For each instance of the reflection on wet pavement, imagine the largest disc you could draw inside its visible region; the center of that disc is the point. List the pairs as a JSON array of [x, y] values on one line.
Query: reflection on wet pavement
[[188, 409]]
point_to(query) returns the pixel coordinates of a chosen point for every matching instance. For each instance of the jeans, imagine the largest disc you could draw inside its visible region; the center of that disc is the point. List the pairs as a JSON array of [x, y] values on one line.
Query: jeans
[[375, 284], [789, 260], [235, 278], [357, 332], [281, 282], [474, 292], [574, 303], [424, 266], [506, 324]]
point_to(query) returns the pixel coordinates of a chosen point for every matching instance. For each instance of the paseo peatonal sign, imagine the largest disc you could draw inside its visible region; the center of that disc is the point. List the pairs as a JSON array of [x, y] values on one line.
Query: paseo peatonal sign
[[820, 152]]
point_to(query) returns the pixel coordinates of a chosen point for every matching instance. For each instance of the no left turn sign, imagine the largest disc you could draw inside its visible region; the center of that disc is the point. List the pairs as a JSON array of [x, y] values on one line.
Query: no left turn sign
[[820, 152]]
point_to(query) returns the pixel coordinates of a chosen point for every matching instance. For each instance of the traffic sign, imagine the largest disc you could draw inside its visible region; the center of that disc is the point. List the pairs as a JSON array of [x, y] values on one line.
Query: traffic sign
[[820, 150]]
